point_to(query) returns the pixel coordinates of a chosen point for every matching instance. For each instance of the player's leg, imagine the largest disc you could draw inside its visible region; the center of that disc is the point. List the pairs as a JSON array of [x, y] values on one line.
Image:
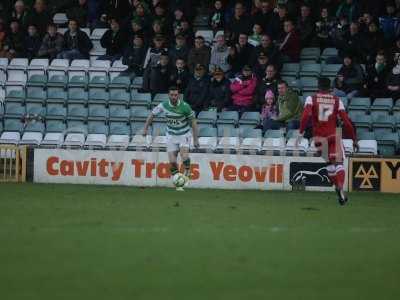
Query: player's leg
[[336, 170], [173, 165], [184, 152]]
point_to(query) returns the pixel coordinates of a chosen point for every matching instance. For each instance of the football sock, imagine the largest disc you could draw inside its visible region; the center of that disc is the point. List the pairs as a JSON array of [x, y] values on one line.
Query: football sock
[[173, 168], [186, 165], [340, 176], [332, 174]]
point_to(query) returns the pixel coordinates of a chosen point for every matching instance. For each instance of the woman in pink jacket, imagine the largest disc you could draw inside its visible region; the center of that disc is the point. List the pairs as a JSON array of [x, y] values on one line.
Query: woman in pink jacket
[[243, 88]]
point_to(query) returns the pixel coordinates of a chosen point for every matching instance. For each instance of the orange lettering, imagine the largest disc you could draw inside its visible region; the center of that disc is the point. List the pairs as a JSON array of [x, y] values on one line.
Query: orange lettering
[[216, 169], [245, 173], [137, 165], [276, 174], [260, 174], [230, 173], [149, 169], [163, 170], [67, 168], [49, 166], [195, 170], [82, 167], [103, 164]]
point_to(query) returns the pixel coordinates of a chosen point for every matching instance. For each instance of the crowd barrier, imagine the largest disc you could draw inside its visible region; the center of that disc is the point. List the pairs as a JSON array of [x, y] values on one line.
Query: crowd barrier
[[13, 163]]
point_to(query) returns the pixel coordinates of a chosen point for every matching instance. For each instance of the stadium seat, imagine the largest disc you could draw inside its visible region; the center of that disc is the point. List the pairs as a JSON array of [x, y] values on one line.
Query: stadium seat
[[119, 113], [139, 114], [96, 35], [396, 106], [330, 70], [359, 103], [16, 72], [138, 141], [55, 95], [38, 66], [361, 120], [382, 104], [86, 30], [387, 143], [348, 146], [228, 117], [77, 96], [158, 134], [310, 70], [207, 117], [290, 69], [33, 134], [57, 81], [120, 82], [62, 30], [79, 67], [60, 19], [119, 135], [98, 112], [75, 135], [37, 80], [99, 82], [12, 132], [14, 110], [77, 112], [97, 135], [292, 82], [99, 68], [56, 111], [98, 96], [311, 53], [207, 138], [35, 108], [137, 82], [58, 67], [35, 95], [158, 98], [367, 143], [328, 53], [140, 99], [250, 118], [251, 140], [382, 120], [15, 96], [78, 81], [274, 140], [55, 131], [116, 68], [309, 84], [303, 146], [119, 97]]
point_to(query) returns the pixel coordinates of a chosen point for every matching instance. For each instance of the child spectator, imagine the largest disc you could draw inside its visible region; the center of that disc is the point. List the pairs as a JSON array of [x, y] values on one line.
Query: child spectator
[[268, 110]]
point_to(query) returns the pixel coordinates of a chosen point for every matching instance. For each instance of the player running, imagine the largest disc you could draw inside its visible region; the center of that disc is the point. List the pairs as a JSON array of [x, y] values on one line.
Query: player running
[[324, 109], [181, 128]]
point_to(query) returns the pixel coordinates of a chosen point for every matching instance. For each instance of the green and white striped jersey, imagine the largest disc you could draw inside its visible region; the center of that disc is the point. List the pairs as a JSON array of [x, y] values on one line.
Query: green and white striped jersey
[[178, 117]]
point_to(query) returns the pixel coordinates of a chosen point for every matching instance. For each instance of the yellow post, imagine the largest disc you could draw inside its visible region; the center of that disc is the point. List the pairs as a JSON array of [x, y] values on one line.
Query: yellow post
[[13, 161]]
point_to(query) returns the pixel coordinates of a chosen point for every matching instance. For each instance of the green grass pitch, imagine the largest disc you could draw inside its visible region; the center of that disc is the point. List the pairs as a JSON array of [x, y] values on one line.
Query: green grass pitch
[[92, 242]]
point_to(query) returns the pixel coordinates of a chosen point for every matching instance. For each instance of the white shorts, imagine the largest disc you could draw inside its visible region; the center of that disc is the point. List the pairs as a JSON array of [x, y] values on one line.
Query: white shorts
[[176, 142]]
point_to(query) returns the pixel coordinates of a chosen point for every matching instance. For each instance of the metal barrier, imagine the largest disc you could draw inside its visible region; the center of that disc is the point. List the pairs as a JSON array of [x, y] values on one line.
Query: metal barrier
[[12, 163]]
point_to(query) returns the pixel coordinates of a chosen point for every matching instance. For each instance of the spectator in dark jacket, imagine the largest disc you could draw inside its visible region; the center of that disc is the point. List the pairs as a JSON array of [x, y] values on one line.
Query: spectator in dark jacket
[[306, 26], [269, 49], [200, 54], [349, 80], [217, 16], [240, 22], [260, 66], [373, 42], [324, 28], [113, 41], [377, 74], [219, 96], [196, 93], [244, 50], [269, 82], [117, 8], [290, 45], [265, 16], [352, 43], [76, 43], [14, 44], [156, 78], [134, 56], [39, 16], [52, 43], [32, 42], [180, 50], [20, 13], [393, 81], [79, 12], [180, 75]]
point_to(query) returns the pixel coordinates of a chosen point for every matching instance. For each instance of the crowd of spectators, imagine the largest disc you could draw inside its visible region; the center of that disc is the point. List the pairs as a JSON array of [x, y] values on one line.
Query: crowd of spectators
[[240, 69]]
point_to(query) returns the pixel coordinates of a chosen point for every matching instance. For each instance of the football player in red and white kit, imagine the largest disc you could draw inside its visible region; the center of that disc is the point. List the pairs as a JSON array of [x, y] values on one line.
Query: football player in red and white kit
[[324, 109]]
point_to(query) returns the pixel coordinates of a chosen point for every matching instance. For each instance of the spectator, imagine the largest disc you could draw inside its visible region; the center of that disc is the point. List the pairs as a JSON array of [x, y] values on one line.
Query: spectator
[[277, 31], [32, 42], [219, 97], [244, 50], [324, 29], [243, 88], [155, 77], [187, 32], [233, 61], [180, 75], [352, 43], [52, 43], [20, 13], [157, 29], [154, 52], [14, 45], [39, 16], [290, 46], [180, 50], [290, 109], [260, 66], [217, 16], [178, 18], [200, 54], [117, 8], [79, 13], [134, 56], [377, 74], [269, 111], [373, 42], [113, 40], [219, 54], [306, 26], [265, 16], [240, 23], [348, 9], [269, 82], [76, 43], [142, 17], [255, 38], [196, 93], [268, 48], [393, 81], [3, 38], [349, 80]]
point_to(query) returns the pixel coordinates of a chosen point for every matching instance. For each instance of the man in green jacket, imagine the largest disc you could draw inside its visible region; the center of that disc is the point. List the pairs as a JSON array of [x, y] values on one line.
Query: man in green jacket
[[290, 109]]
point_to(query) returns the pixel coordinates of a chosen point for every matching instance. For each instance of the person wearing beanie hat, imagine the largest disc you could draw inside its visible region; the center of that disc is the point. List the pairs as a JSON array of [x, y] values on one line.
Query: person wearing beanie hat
[[269, 109]]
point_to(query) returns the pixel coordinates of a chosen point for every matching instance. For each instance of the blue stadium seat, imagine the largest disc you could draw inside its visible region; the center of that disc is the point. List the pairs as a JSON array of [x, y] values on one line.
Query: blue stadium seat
[[98, 96], [250, 118], [119, 97], [35, 95], [310, 70], [140, 99], [311, 53], [119, 113], [97, 112], [207, 117], [330, 70], [37, 80], [55, 95], [77, 111], [290, 69], [56, 111], [35, 109], [382, 104], [77, 96], [60, 81], [228, 117], [78, 81], [227, 131], [360, 103], [15, 96], [120, 82], [139, 114], [14, 110]]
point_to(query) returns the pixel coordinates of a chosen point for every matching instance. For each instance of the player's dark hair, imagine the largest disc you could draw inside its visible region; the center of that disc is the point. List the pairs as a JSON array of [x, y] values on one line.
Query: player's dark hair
[[282, 82], [324, 83], [173, 88]]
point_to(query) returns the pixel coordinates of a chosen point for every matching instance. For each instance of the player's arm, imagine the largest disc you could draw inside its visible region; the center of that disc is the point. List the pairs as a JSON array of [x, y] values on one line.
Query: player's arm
[[305, 117], [348, 127], [157, 110]]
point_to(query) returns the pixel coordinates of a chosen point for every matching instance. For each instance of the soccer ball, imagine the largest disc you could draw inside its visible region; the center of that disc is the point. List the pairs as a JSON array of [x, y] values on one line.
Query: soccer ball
[[179, 180]]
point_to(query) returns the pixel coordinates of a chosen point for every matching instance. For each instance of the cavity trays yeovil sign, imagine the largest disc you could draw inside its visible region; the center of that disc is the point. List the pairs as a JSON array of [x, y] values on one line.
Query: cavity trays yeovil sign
[[151, 168]]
